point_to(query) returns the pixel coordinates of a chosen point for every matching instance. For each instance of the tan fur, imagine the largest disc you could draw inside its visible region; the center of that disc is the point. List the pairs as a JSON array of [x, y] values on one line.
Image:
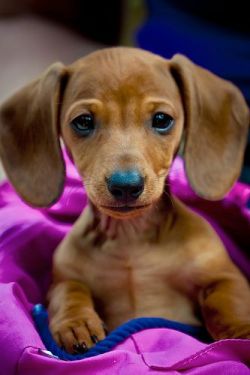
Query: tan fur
[[160, 260]]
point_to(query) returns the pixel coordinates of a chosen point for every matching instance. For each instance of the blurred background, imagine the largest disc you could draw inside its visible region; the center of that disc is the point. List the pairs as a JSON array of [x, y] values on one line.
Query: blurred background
[[35, 33]]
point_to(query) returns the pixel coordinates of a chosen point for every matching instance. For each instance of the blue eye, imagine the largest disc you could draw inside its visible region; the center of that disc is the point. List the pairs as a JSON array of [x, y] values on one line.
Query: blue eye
[[83, 125], [162, 123]]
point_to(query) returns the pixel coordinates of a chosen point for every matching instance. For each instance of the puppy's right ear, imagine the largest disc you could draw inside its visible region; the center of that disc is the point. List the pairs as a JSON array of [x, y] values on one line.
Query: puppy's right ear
[[217, 121], [29, 141]]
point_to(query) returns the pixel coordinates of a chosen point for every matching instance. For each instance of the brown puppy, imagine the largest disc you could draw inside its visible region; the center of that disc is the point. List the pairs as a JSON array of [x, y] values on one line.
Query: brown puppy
[[135, 251]]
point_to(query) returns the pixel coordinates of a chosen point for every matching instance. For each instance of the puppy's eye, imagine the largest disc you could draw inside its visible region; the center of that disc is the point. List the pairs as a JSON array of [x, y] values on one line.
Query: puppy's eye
[[83, 125], [162, 123]]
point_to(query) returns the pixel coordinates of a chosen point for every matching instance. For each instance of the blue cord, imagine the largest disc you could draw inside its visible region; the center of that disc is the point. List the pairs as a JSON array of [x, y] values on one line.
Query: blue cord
[[117, 336]]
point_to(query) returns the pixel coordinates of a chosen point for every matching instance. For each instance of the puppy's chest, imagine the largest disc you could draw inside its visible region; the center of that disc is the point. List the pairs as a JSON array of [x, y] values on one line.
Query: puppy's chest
[[137, 266]]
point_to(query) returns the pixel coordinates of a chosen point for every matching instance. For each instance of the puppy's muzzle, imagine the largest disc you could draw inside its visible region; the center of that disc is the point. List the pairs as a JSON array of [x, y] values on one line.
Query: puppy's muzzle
[[125, 186]]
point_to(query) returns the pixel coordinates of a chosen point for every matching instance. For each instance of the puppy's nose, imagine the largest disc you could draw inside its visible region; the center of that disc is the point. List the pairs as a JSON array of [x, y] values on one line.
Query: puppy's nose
[[126, 185]]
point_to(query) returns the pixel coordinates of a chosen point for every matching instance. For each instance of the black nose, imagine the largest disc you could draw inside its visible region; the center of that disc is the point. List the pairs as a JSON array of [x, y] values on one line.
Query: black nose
[[126, 185]]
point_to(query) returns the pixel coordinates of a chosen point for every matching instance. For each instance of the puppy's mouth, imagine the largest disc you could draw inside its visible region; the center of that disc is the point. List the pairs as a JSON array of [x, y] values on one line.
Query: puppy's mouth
[[125, 208], [125, 211]]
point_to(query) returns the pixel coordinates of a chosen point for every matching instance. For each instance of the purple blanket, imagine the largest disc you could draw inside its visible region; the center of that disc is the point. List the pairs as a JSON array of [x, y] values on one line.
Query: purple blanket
[[27, 239]]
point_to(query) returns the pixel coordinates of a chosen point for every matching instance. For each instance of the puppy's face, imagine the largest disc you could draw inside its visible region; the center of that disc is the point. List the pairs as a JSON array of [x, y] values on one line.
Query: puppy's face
[[122, 121]]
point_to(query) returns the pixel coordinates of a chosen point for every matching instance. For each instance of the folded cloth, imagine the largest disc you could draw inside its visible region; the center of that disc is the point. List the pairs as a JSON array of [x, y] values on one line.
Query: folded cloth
[[28, 238]]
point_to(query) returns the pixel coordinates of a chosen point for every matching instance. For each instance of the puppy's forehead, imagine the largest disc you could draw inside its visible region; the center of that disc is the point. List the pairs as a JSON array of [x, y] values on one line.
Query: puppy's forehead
[[113, 73]]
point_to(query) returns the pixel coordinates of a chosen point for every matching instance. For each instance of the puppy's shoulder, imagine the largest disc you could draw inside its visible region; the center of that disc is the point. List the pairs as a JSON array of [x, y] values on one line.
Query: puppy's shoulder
[[193, 232]]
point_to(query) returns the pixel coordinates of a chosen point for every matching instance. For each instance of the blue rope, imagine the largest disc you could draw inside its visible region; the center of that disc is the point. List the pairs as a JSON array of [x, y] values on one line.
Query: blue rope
[[121, 333]]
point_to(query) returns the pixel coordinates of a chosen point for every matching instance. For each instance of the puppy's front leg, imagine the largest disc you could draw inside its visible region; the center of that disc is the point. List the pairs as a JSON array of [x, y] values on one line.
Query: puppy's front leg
[[225, 305], [73, 321], [72, 318]]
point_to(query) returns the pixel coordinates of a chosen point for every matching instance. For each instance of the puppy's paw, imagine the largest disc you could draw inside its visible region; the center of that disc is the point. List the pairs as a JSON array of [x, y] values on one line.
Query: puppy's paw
[[76, 334], [234, 332], [240, 332]]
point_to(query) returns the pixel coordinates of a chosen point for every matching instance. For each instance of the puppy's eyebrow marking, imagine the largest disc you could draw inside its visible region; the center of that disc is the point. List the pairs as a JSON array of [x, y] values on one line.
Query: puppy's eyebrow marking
[[157, 101], [77, 108], [87, 102]]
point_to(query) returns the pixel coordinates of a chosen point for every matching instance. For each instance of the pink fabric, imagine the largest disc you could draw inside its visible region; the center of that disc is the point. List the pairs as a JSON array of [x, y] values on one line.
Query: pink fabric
[[27, 239]]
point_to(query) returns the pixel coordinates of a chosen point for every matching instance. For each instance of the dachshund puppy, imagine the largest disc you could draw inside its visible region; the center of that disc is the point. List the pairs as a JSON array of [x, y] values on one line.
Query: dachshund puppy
[[136, 250]]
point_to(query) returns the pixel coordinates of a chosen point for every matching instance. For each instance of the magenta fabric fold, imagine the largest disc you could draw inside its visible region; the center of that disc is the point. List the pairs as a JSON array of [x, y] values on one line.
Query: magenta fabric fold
[[28, 238]]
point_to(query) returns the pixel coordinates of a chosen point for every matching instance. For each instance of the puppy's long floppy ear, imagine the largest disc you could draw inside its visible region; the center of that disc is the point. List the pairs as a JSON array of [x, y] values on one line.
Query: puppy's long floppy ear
[[29, 142], [216, 123]]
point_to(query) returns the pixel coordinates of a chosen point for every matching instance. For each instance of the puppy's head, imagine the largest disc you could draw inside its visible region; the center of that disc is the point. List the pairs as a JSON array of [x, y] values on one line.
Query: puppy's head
[[122, 113], [122, 121]]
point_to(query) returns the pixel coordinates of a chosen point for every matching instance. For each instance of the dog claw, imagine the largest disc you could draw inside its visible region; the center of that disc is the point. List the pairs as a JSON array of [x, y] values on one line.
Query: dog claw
[[80, 348]]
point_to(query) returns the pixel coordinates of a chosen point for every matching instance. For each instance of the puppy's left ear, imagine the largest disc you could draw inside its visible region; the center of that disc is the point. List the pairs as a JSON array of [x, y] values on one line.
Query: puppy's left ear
[[216, 125]]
